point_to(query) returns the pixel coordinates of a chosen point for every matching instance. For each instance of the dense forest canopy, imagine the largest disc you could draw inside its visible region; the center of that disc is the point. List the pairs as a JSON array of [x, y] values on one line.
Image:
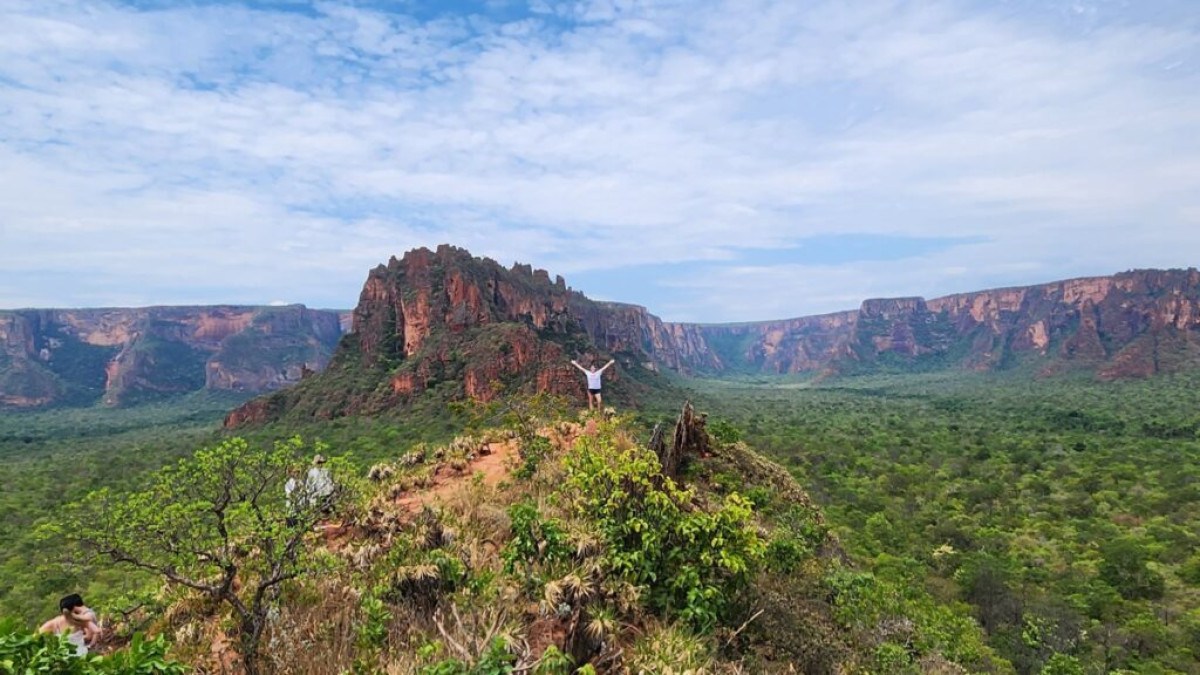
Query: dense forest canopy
[[1064, 512]]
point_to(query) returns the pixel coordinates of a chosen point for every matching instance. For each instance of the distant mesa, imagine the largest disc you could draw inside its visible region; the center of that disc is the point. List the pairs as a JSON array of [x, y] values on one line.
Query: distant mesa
[[121, 357]]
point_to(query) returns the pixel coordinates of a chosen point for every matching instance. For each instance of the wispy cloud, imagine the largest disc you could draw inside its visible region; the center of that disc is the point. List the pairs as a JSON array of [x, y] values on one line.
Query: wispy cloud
[[227, 152]]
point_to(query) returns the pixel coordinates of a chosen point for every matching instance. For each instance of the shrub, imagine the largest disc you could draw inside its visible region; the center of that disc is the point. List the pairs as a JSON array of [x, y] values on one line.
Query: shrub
[[690, 560], [534, 540], [1124, 567], [1062, 664], [785, 553], [724, 432]]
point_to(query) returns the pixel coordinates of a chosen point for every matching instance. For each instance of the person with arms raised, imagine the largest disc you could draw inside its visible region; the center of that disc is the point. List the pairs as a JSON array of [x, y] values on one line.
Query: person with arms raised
[[593, 375]]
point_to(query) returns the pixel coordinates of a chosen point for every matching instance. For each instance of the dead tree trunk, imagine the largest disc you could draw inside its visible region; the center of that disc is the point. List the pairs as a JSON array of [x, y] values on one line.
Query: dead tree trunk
[[691, 439]]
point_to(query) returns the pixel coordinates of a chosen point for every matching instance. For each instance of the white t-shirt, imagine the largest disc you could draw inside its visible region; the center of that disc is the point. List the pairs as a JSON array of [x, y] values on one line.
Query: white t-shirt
[[593, 379], [320, 485], [79, 641], [317, 485]]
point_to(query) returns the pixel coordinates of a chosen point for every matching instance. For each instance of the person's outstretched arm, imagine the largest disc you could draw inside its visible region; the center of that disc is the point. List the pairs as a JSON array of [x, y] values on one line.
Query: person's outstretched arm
[[576, 364], [610, 362]]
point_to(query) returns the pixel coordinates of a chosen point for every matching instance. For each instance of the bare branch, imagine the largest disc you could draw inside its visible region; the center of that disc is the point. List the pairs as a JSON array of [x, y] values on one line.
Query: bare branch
[[741, 628]]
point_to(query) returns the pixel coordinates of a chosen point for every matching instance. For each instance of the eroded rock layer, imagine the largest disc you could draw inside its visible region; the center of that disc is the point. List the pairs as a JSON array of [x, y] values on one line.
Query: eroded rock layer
[[1135, 323]]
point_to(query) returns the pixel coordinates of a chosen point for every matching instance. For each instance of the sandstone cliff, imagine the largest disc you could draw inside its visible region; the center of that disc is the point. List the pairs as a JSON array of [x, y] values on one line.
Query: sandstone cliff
[[466, 328], [124, 356], [458, 327], [1136, 323]]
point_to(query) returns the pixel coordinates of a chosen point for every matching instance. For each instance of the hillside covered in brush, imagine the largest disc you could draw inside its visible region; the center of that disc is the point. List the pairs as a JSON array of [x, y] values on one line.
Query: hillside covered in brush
[[549, 544]]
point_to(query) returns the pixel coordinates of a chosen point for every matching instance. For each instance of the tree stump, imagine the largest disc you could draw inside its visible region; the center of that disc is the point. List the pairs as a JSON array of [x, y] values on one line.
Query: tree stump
[[691, 439]]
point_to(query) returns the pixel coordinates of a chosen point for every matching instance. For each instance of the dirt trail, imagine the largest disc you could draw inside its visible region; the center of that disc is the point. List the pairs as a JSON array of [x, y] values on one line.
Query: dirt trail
[[494, 466]]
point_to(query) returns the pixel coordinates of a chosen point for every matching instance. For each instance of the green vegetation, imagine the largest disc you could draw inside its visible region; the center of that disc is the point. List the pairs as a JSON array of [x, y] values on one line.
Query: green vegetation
[[655, 540], [216, 523], [53, 457], [588, 556], [1063, 515], [50, 458], [627, 567], [995, 521], [80, 366], [22, 652]]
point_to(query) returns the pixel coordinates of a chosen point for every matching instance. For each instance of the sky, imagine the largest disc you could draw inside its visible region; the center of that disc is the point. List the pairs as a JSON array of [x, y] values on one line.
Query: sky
[[713, 161]]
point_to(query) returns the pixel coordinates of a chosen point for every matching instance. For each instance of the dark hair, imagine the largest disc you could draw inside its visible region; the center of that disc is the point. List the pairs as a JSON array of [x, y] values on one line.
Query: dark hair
[[70, 602]]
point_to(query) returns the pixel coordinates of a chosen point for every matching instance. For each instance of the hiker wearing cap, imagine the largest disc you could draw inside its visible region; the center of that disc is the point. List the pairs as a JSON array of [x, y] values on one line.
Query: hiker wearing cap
[[593, 375], [77, 622]]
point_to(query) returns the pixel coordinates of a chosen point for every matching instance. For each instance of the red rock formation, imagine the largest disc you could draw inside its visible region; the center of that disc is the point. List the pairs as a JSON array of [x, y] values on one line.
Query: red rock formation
[[1091, 322], [122, 355], [437, 318], [466, 327]]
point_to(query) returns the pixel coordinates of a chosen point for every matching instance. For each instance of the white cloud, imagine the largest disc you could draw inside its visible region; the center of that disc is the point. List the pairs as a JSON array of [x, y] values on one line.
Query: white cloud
[[257, 154]]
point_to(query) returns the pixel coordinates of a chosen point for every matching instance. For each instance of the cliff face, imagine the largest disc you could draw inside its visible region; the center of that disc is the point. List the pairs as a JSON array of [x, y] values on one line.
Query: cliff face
[[467, 326], [124, 356], [1136, 323], [459, 327], [439, 314]]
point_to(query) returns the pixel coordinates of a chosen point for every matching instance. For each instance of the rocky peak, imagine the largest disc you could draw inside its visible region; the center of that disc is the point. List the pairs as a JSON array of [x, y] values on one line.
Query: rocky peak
[[465, 326], [402, 304]]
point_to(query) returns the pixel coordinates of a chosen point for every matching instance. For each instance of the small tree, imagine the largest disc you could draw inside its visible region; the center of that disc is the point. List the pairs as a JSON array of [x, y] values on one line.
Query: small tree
[[218, 523], [1124, 567]]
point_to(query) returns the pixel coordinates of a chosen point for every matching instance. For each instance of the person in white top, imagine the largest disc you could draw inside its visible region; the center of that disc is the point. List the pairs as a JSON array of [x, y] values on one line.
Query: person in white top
[[77, 621], [593, 383], [315, 491], [320, 485]]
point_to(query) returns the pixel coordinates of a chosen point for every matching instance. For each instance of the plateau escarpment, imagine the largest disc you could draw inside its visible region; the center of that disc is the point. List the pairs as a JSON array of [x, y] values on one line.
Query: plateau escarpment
[[126, 356], [1136, 323], [468, 327]]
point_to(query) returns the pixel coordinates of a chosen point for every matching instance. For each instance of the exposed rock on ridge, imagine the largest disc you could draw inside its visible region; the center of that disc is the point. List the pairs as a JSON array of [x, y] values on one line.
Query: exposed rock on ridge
[[467, 327]]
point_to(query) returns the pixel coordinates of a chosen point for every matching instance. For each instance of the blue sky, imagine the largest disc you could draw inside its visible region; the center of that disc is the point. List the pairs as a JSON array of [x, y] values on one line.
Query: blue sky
[[714, 161]]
